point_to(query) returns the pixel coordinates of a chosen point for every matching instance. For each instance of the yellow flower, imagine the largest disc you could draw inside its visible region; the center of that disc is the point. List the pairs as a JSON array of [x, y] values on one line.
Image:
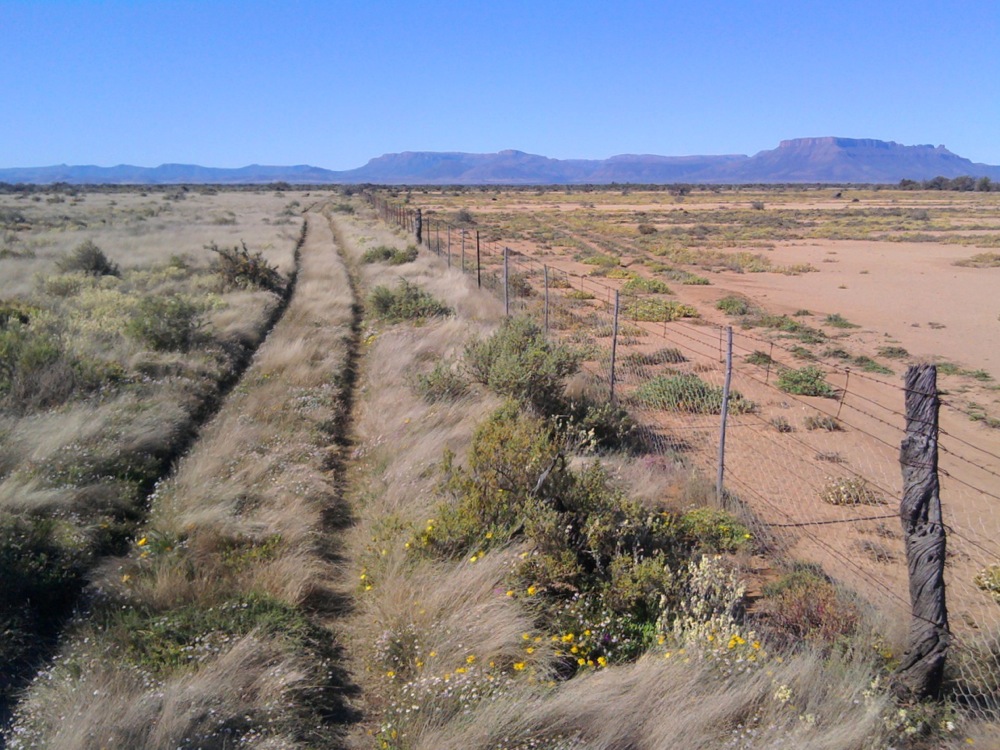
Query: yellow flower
[[531, 590], [473, 559], [581, 661], [390, 674], [567, 638], [419, 664], [602, 661], [525, 636], [756, 645], [461, 670], [518, 666], [141, 542], [489, 534], [574, 650], [530, 649], [586, 632], [126, 578], [470, 659], [433, 654]]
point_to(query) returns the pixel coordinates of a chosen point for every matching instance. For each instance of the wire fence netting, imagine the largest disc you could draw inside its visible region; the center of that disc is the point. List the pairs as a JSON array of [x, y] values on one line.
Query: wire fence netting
[[816, 475]]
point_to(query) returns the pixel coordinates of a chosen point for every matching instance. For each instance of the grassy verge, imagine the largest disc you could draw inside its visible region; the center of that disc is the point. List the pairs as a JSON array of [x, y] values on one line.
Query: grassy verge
[[206, 634]]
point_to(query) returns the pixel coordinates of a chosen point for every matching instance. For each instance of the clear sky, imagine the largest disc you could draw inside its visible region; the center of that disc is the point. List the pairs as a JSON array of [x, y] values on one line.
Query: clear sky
[[332, 84]]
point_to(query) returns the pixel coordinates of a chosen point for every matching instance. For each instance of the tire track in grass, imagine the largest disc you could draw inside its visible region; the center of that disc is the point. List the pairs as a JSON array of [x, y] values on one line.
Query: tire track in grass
[[209, 633]]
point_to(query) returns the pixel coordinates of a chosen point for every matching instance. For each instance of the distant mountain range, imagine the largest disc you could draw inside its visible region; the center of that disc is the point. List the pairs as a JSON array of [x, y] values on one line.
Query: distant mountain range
[[829, 159]]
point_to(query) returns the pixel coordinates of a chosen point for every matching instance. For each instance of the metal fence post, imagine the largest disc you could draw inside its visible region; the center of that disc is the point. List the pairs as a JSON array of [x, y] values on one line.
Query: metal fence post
[[479, 264], [722, 421]]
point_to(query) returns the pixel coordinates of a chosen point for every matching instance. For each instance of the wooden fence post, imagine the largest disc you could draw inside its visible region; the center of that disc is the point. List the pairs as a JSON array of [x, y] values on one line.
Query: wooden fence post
[[721, 468], [479, 264], [418, 223], [920, 672], [614, 347]]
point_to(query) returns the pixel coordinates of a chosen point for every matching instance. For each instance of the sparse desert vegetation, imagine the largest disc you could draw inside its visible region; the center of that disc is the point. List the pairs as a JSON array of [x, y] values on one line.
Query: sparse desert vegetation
[[408, 522]]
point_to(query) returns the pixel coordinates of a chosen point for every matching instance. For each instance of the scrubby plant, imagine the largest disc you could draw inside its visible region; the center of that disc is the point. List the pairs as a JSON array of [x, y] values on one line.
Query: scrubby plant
[[893, 352], [664, 356], [867, 364], [689, 393], [781, 424], [822, 422], [406, 302], [88, 258], [836, 320], [165, 323], [656, 310], [851, 491], [443, 383], [734, 304], [713, 530], [759, 358], [391, 255], [36, 370], [807, 381], [988, 579], [805, 605], [643, 285], [518, 362], [241, 269]]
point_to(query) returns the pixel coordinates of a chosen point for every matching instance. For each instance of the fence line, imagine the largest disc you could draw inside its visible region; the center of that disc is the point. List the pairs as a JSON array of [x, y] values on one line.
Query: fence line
[[787, 456]]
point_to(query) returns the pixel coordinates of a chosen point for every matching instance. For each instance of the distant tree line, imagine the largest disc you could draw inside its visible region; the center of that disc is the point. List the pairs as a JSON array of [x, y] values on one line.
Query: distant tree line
[[963, 184]]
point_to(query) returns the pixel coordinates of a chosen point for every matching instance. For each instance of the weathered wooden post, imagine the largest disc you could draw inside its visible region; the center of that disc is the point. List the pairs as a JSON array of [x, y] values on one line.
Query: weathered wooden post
[[545, 269], [919, 675], [614, 346], [418, 226], [479, 264], [506, 285]]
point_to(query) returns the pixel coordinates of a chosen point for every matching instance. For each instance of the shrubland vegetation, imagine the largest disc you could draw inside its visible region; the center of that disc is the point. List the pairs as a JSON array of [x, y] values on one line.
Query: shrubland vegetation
[[521, 572]]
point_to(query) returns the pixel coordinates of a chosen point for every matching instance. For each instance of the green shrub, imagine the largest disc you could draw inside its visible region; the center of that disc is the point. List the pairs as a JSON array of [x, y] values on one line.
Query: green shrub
[[713, 530], [656, 310], [893, 352], [241, 269], [867, 364], [836, 320], [442, 383], [643, 285], [664, 356], [518, 362], [807, 381], [597, 425], [988, 579], [734, 305], [165, 323], [89, 259], [406, 302], [781, 424], [36, 371], [689, 393], [391, 255], [759, 358]]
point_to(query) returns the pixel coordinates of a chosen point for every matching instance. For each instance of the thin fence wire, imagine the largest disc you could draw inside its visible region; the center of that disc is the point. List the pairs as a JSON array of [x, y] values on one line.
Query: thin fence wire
[[819, 476]]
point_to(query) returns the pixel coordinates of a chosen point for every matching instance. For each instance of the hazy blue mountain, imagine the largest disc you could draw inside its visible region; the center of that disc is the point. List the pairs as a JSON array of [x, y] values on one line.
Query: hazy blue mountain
[[829, 159]]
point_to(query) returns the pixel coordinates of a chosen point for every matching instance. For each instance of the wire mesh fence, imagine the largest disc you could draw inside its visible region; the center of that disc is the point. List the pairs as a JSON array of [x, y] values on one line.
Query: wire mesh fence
[[811, 448]]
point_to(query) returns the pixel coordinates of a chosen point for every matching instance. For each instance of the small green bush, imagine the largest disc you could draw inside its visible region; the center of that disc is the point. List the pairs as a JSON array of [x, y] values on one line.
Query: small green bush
[[867, 364], [988, 579], [664, 356], [165, 323], [893, 352], [90, 259], [734, 305], [689, 393], [759, 358], [804, 605], [782, 425], [391, 255], [656, 310], [406, 302], [822, 422], [643, 285], [807, 381], [836, 320], [518, 362], [713, 530], [442, 383]]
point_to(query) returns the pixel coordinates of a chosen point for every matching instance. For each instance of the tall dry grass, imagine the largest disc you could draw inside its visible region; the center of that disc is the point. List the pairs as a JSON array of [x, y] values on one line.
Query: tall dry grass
[[201, 636]]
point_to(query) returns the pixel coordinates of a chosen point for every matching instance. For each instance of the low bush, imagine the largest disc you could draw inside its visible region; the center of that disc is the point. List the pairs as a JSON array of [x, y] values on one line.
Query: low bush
[[656, 310], [988, 579], [643, 285], [822, 422], [89, 259], [165, 323], [241, 269], [406, 302], [807, 381], [689, 393], [714, 531], [664, 356], [893, 352], [519, 363], [851, 491], [36, 370], [759, 358], [734, 305], [391, 255], [836, 320], [804, 605], [443, 383]]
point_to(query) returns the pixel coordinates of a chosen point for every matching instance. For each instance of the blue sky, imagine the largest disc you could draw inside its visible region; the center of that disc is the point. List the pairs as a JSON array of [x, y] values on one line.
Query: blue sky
[[335, 83]]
